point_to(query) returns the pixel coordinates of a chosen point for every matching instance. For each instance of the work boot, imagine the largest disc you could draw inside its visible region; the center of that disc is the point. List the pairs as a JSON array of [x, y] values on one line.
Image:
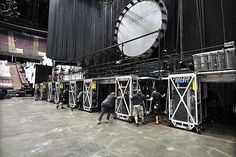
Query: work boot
[[137, 124], [62, 107], [57, 107]]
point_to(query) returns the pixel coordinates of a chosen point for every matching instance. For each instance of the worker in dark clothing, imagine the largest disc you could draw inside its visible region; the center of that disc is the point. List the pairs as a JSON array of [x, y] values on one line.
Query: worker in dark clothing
[[64, 99], [107, 106], [156, 102], [138, 103], [79, 102], [37, 93]]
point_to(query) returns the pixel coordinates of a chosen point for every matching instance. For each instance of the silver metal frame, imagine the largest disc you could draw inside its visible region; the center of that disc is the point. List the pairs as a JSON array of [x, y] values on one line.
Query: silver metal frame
[[50, 94], [125, 84], [57, 92], [88, 95], [193, 119], [73, 92]]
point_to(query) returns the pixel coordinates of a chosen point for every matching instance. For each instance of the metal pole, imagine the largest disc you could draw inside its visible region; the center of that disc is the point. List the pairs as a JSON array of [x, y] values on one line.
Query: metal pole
[[136, 38], [223, 19], [180, 10]]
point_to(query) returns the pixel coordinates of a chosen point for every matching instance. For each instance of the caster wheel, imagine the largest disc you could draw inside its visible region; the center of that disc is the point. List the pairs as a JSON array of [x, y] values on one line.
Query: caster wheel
[[202, 128], [198, 130], [130, 120], [171, 124]]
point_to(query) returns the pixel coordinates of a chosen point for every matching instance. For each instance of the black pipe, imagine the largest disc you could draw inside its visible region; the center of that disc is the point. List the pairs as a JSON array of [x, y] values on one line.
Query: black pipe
[[121, 43]]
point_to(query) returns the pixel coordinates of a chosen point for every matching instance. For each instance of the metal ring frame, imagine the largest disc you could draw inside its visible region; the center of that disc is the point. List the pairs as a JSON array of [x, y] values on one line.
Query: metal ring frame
[[163, 28]]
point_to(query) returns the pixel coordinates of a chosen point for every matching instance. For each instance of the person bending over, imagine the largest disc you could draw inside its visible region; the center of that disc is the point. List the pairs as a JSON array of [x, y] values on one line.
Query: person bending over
[[107, 106]]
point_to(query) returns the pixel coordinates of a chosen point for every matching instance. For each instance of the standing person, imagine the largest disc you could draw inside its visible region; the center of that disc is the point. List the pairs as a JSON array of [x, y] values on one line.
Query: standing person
[[37, 93], [64, 98], [156, 102], [79, 101], [107, 106], [138, 102]]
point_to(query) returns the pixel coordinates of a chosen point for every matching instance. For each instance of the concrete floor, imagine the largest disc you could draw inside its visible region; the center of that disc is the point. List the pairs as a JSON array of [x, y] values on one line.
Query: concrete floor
[[37, 129]]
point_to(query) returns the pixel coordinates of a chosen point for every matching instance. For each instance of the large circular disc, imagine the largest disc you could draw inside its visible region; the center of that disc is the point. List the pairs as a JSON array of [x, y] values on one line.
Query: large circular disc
[[139, 19]]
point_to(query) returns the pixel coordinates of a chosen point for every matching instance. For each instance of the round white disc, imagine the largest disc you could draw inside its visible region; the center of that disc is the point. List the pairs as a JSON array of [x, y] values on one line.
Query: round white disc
[[142, 18]]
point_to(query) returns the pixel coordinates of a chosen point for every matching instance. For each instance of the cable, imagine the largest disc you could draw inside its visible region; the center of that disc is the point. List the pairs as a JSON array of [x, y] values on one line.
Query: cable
[[203, 22], [199, 23], [223, 19], [113, 46], [181, 27], [206, 48]]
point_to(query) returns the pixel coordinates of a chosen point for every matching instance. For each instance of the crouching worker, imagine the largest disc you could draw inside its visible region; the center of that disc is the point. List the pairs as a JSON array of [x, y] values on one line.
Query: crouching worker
[[107, 106], [138, 102], [64, 98]]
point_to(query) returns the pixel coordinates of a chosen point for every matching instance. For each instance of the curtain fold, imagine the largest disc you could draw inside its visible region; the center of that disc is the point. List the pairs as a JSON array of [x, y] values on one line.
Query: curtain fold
[[77, 28]]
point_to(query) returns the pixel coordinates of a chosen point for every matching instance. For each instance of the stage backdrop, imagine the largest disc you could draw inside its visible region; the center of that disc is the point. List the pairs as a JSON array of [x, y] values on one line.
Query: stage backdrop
[[79, 27]]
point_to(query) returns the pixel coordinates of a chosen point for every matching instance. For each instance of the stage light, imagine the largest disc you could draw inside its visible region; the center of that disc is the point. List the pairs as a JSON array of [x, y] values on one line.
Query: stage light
[[118, 62], [152, 47], [163, 11], [118, 21], [164, 51], [161, 5], [164, 21], [132, 3]]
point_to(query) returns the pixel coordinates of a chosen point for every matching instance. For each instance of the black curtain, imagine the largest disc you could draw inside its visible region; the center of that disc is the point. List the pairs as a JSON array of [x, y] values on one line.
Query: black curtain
[[42, 72], [203, 23], [79, 27]]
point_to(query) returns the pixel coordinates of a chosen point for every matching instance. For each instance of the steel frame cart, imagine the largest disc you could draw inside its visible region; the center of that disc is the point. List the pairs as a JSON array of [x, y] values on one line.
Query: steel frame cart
[[51, 91], [57, 92], [124, 87], [73, 91], [184, 97], [89, 99]]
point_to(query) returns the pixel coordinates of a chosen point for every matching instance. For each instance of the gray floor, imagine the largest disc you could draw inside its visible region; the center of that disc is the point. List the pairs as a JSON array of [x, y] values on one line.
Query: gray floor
[[30, 128]]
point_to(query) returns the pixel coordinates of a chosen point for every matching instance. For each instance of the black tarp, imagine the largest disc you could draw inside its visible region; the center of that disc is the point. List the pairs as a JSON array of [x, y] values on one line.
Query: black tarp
[[79, 27], [42, 73]]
